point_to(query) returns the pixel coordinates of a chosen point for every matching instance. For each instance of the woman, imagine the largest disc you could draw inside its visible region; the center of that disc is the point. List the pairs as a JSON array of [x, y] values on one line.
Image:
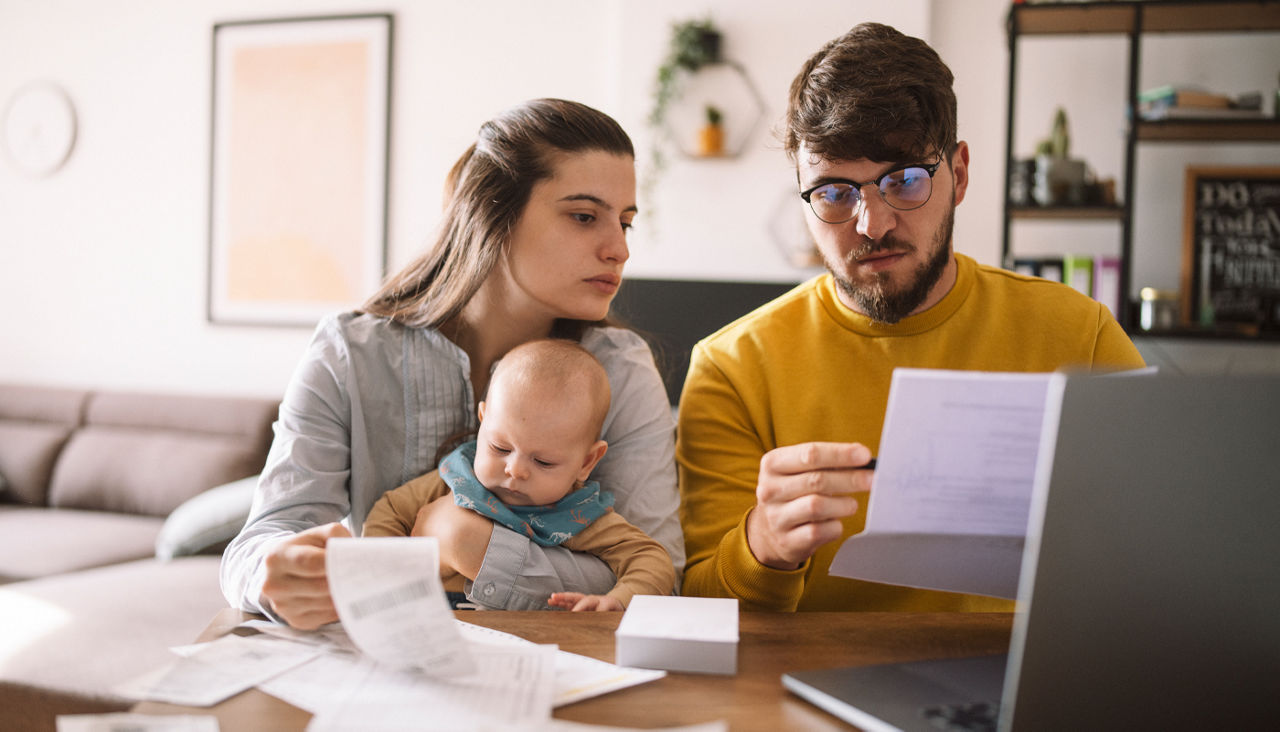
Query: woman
[[532, 244]]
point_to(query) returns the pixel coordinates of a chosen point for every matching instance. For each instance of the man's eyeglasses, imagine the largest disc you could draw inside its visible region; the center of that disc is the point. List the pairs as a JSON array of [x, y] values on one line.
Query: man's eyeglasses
[[905, 188]]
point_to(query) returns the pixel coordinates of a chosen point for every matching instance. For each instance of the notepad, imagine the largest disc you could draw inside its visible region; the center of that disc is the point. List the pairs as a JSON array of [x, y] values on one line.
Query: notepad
[[695, 634]]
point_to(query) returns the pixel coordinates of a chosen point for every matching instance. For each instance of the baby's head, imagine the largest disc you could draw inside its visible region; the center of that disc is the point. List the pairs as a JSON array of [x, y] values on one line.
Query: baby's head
[[540, 422]]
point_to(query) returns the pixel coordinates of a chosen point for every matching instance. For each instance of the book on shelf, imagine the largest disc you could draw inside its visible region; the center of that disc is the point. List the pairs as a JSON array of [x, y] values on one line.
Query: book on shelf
[[1049, 268], [1176, 96], [1077, 271], [1161, 112], [1098, 277], [1106, 283], [1171, 102]]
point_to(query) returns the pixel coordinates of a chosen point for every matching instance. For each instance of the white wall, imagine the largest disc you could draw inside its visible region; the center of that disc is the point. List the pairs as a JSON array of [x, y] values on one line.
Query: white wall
[[103, 265], [714, 217]]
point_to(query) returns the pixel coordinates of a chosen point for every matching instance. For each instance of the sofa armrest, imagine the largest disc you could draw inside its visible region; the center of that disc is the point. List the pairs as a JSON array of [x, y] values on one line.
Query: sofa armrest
[[205, 523]]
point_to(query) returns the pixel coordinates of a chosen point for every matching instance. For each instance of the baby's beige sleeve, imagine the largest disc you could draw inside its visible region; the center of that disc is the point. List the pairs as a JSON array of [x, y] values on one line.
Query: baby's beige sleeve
[[396, 511], [640, 563]]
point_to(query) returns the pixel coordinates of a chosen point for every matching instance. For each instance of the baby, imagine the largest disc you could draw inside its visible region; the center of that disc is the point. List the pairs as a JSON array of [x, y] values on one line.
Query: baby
[[527, 470]]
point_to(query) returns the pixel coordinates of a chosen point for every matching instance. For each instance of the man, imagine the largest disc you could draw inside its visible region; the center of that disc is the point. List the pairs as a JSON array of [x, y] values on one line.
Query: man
[[783, 407]]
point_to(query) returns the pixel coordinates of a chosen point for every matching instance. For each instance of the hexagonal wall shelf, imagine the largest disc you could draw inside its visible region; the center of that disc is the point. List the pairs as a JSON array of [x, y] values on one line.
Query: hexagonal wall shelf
[[725, 87]]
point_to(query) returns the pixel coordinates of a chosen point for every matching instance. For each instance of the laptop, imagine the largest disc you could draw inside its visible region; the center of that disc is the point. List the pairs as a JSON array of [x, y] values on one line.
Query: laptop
[[1150, 589]]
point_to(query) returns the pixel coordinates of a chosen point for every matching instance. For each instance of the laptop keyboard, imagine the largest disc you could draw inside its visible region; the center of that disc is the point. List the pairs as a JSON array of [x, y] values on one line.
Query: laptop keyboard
[[974, 717]]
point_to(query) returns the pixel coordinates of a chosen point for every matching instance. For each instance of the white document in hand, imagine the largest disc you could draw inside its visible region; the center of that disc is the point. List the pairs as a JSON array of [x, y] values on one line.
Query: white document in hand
[[952, 490], [392, 603]]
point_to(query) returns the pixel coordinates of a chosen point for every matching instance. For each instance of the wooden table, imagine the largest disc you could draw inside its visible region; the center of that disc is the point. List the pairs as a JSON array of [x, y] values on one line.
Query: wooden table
[[769, 645]]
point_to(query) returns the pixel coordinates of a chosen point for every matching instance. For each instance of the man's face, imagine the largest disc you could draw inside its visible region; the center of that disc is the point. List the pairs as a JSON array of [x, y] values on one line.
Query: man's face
[[888, 263]]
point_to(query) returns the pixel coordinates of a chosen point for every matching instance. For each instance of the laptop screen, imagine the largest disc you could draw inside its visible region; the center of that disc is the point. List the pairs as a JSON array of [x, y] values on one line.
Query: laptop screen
[[1150, 594]]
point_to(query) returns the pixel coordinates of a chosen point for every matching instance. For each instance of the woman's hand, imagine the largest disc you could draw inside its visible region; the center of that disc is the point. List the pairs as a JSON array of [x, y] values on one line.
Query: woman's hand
[[463, 535], [576, 601], [296, 587], [801, 494]]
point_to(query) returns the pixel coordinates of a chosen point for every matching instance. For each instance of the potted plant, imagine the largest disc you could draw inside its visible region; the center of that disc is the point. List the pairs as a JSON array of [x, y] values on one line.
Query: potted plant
[[693, 44], [711, 135], [1060, 180]]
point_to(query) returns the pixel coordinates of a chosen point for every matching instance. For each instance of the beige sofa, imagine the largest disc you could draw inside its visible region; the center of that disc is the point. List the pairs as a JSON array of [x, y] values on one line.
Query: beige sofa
[[114, 507]]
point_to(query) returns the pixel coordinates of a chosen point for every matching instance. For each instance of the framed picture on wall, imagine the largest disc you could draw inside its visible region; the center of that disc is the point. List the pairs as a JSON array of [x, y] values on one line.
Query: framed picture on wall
[[298, 191], [1231, 248]]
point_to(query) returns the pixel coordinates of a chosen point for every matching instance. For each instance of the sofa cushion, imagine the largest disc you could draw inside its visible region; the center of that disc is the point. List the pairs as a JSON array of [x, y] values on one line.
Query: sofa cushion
[[28, 451], [25, 403], [77, 635], [244, 418], [35, 422], [148, 453], [208, 522], [148, 472], [38, 542]]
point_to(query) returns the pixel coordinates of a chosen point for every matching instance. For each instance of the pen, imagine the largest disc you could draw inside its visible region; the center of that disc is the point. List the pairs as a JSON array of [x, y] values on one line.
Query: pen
[[871, 465]]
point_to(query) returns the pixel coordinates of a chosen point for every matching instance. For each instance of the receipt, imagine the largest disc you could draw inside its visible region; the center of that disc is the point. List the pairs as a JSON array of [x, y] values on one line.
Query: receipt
[[392, 604]]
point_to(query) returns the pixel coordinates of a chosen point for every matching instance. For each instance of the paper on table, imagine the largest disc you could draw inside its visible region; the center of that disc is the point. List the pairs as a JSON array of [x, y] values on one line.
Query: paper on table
[[218, 670], [582, 677], [577, 677], [316, 683], [332, 636], [126, 722], [951, 493], [392, 603], [511, 688], [564, 725]]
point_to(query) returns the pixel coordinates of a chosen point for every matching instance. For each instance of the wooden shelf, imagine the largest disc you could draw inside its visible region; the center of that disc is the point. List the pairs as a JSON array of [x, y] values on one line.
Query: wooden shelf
[[1222, 333], [1104, 213], [1132, 21], [1157, 17], [1226, 130], [1039, 20], [1208, 17]]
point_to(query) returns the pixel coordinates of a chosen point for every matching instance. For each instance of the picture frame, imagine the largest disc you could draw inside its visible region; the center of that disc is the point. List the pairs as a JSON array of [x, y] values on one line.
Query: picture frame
[[300, 139], [1231, 248]]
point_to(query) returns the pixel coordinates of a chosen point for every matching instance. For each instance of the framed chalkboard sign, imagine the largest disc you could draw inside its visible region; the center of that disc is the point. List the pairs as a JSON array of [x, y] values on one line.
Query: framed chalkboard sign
[[1231, 249]]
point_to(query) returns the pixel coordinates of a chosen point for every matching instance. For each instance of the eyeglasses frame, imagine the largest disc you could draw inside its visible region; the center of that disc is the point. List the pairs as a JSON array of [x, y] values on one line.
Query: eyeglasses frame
[[930, 168]]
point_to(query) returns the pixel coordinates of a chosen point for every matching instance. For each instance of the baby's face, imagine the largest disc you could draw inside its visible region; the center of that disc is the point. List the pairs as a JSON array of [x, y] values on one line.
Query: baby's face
[[530, 452]]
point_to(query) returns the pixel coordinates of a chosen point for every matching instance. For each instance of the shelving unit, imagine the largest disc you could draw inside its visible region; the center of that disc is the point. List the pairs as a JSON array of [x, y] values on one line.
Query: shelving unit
[[1134, 20]]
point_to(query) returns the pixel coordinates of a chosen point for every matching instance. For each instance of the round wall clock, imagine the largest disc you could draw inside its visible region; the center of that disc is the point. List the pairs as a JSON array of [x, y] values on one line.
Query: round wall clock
[[39, 128]]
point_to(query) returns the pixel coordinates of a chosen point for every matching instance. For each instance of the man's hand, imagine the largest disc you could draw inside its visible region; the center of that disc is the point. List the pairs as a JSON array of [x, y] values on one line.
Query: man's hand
[[802, 493], [296, 587], [576, 601], [463, 534]]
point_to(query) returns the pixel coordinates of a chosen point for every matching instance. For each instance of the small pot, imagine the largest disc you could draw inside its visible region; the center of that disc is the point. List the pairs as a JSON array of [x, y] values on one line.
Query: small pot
[[1059, 181]]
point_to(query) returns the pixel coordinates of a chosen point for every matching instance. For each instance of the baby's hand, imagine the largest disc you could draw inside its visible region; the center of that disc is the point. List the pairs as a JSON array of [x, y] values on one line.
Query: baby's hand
[[576, 601]]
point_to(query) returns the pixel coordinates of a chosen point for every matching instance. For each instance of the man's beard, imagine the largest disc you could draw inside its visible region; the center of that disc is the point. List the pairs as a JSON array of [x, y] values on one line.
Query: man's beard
[[891, 306]]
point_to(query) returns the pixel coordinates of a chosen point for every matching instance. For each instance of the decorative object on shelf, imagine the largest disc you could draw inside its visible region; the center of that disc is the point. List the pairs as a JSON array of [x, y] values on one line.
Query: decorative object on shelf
[[298, 193], [1231, 249], [39, 128], [1158, 310], [694, 44], [696, 84], [1059, 179], [791, 234], [1171, 102], [1022, 178], [711, 136], [1275, 100]]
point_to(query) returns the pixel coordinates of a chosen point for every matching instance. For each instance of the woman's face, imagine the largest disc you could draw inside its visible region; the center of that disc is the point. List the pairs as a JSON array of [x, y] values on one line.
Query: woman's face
[[568, 247]]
